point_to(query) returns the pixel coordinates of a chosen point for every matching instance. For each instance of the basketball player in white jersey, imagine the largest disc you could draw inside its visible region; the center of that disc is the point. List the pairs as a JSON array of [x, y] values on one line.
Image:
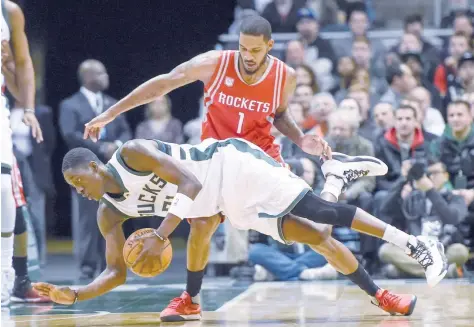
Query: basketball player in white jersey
[[22, 84], [232, 176], [246, 92]]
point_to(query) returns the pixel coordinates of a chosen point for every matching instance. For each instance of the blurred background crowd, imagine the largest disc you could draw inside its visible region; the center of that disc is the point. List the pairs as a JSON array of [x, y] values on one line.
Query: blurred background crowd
[[390, 79]]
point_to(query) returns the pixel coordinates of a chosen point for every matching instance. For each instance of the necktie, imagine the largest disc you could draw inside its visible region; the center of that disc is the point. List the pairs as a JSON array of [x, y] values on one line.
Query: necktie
[[98, 104]]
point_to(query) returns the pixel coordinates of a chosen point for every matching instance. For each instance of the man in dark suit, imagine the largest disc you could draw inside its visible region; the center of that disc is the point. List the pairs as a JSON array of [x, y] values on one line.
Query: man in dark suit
[[75, 111]]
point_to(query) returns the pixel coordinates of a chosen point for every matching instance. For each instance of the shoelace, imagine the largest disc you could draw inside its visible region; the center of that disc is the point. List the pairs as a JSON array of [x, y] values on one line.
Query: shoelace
[[353, 174], [390, 300], [421, 254], [176, 302]]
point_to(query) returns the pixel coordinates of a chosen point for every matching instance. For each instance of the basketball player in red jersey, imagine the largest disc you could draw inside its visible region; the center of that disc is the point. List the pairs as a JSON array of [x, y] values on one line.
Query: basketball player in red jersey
[[247, 91]]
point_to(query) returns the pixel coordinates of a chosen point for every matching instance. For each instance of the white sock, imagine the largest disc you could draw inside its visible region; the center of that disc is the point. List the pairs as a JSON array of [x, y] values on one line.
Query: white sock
[[398, 238], [333, 186], [7, 252], [196, 299]]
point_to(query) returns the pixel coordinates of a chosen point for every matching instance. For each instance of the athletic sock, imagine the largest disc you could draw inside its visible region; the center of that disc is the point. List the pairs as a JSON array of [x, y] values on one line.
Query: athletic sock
[[194, 283], [20, 265], [361, 278], [333, 186], [398, 238]]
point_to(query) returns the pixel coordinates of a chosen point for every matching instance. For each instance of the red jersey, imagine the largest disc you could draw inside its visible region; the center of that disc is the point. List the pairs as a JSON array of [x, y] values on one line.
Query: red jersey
[[17, 185], [237, 109]]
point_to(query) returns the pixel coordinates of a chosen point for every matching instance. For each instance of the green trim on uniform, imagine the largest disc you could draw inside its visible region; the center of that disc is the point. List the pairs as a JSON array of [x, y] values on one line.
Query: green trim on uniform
[[239, 145], [119, 180], [290, 207], [110, 205], [163, 147], [7, 166], [127, 168], [182, 154]]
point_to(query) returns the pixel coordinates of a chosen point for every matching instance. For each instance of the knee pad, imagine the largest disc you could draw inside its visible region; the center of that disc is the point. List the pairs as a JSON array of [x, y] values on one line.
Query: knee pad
[[20, 223], [8, 205], [320, 211]]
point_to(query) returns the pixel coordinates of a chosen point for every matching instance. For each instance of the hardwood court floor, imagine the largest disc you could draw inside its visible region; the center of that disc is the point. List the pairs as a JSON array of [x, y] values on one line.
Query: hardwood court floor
[[262, 304]]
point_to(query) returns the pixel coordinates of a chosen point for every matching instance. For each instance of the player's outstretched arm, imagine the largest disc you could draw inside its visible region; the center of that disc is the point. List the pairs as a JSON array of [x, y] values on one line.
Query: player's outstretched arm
[[115, 274], [143, 155], [200, 68]]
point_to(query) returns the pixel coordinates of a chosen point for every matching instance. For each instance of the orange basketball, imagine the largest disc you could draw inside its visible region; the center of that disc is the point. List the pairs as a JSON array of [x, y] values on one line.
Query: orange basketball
[[131, 251]]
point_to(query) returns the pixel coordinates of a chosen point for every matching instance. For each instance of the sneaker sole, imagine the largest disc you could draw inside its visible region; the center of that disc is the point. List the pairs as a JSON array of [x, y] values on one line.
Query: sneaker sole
[[412, 306], [180, 318], [438, 278], [376, 165]]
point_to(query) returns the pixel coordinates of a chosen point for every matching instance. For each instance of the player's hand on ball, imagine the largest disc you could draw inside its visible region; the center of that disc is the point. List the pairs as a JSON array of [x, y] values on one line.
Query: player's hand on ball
[[151, 249], [315, 145], [93, 127], [61, 295]]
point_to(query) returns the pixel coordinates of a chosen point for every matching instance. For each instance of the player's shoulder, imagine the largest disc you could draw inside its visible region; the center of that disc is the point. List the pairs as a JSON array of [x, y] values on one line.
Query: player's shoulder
[[208, 58], [13, 10], [290, 71]]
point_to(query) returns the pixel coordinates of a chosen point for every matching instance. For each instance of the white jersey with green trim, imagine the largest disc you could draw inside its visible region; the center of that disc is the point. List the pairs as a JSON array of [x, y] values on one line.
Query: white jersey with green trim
[[238, 179]]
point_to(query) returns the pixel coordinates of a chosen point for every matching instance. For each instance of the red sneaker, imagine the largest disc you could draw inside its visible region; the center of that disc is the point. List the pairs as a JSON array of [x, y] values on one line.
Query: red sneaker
[[23, 292], [180, 309], [403, 304]]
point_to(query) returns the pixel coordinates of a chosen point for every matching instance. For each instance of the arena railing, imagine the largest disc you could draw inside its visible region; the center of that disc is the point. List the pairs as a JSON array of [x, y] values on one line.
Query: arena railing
[[388, 37]]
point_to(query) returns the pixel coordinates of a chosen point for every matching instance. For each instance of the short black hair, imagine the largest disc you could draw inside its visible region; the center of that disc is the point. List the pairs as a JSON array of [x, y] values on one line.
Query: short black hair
[[414, 18], [78, 157], [393, 71], [409, 107], [256, 26]]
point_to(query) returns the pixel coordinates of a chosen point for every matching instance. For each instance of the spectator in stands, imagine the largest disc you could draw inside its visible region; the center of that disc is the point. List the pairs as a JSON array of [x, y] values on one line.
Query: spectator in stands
[[295, 58], [455, 8], [283, 15], [346, 69], [401, 81], [343, 136], [328, 11], [431, 119], [469, 97], [74, 112], [415, 103], [362, 54], [305, 76], [463, 24], [423, 204], [402, 142], [456, 147], [366, 123], [160, 124], [445, 74], [239, 15], [416, 63], [303, 95], [319, 52], [359, 25], [412, 44], [414, 24], [465, 74], [384, 116], [295, 53], [322, 105]]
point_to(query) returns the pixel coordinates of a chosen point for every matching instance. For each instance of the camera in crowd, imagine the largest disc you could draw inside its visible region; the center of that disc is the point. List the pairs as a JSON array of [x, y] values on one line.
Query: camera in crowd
[[417, 170]]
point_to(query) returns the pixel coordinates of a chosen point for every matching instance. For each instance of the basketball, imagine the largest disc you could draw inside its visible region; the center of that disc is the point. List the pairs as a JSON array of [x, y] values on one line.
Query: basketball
[[131, 250]]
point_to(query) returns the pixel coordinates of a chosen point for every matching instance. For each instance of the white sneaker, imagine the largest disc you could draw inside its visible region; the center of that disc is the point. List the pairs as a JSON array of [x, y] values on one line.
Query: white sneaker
[[429, 253], [261, 274], [325, 272], [350, 168]]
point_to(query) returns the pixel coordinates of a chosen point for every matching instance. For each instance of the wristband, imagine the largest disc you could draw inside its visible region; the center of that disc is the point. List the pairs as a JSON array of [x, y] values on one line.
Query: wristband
[[31, 111], [181, 205]]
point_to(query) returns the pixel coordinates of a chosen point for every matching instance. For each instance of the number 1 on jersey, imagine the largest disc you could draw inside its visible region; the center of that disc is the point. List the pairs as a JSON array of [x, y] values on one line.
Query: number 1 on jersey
[[241, 122]]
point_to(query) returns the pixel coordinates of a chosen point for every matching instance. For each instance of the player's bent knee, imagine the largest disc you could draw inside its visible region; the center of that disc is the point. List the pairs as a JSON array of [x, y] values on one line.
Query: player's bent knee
[[204, 228]]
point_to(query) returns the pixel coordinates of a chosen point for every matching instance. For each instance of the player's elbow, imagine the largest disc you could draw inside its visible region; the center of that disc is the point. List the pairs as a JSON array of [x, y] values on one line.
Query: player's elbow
[[120, 277]]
